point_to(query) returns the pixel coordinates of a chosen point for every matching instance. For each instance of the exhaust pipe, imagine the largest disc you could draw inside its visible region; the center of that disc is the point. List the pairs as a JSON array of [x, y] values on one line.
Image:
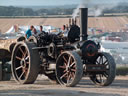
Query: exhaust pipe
[[83, 24]]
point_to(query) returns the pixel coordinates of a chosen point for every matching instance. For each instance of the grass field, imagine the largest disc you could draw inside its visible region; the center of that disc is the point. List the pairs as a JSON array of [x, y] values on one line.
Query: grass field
[[104, 23]]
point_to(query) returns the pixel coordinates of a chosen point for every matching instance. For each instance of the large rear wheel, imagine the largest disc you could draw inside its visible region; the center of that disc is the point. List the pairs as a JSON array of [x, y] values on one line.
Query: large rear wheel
[[107, 77], [69, 68], [25, 63]]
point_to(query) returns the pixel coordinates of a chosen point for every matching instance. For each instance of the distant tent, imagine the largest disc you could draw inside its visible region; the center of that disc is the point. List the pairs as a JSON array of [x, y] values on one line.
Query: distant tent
[[11, 30]]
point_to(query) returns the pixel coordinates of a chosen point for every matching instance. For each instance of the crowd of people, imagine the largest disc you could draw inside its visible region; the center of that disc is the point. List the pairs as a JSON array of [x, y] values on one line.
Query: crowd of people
[[32, 31]]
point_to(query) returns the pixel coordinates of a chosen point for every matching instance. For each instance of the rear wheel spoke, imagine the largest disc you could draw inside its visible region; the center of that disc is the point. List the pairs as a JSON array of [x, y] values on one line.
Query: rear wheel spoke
[[63, 67], [22, 51], [66, 62], [64, 75], [72, 74], [69, 60], [69, 77], [64, 71], [72, 64]]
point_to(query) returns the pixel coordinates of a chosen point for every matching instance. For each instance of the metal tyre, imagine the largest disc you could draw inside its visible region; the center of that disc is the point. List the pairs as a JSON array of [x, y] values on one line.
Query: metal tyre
[[69, 68], [107, 77], [25, 63]]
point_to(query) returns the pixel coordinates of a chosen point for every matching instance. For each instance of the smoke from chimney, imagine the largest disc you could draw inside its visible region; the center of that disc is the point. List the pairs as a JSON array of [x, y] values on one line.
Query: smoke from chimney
[[83, 4], [98, 10]]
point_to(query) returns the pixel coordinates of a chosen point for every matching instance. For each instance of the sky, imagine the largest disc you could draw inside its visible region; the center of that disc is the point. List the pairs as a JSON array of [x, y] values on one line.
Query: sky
[[51, 2]]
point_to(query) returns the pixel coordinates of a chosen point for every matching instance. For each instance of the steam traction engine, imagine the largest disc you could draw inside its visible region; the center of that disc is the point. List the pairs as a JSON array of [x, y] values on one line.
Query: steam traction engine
[[63, 59]]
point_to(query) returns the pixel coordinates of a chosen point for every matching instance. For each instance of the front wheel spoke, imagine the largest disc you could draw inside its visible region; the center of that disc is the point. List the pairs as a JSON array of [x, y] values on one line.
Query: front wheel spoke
[[19, 67], [97, 62], [100, 59], [22, 74], [64, 75], [105, 75], [105, 62], [19, 58]]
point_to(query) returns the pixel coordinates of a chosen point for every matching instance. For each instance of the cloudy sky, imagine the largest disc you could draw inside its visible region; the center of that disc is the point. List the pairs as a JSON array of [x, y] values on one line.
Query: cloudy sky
[[52, 2]]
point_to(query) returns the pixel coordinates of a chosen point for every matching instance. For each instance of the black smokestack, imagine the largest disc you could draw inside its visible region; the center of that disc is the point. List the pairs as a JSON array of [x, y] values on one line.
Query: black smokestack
[[83, 23]]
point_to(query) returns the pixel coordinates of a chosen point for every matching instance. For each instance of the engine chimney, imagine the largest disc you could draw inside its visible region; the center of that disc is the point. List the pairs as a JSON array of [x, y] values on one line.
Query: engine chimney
[[83, 23]]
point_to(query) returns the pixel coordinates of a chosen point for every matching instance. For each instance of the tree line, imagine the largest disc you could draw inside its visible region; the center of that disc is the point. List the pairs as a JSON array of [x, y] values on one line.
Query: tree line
[[18, 11], [121, 8]]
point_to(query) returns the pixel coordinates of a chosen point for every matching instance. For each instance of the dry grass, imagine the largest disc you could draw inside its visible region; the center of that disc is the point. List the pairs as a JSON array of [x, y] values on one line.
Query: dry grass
[[104, 23]]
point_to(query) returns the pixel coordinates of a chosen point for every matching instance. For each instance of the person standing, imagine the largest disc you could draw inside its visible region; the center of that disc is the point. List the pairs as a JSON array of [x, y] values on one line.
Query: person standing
[[29, 32]]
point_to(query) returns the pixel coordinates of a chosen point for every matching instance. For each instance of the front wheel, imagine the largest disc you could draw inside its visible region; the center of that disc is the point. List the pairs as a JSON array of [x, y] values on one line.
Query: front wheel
[[107, 77], [69, 68]]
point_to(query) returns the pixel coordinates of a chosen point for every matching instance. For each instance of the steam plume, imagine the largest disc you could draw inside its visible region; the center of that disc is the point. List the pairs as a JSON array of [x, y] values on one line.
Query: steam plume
[[97, 9]]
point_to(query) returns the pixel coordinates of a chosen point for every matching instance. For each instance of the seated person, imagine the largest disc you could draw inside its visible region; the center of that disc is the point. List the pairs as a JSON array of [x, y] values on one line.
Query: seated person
[[34, 31], [29, 32], [41, 30]]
